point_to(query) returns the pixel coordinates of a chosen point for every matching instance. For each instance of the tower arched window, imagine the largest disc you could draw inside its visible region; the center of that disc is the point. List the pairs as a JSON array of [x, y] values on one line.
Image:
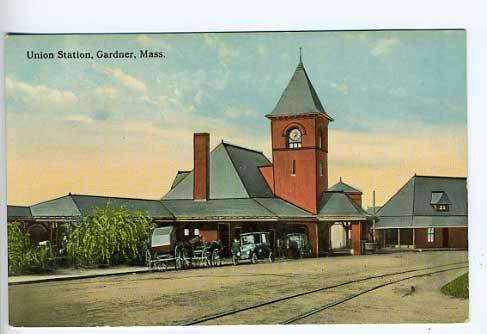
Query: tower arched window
[[294, 138]]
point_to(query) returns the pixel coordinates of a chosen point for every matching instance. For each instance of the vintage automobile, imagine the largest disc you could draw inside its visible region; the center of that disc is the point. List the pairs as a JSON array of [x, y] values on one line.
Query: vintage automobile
[[252, 246], [298, 245]]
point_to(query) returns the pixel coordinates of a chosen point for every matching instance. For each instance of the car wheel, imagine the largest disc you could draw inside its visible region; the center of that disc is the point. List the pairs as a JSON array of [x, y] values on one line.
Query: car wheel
[[234, 260], [254, 258]]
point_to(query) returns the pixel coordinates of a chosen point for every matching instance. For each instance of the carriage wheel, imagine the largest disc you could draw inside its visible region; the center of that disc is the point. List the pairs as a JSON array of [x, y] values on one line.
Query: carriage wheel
[[160, 266], [179, 263], [148, 260], [216, 260], [254, 258], [178, 260]]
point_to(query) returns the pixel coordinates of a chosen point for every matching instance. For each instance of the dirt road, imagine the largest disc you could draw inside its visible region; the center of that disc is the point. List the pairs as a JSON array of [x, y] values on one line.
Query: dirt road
[[175, 297]]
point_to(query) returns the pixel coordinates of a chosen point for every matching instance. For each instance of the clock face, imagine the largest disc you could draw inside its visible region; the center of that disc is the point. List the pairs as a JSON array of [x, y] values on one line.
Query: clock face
[[295, 135]]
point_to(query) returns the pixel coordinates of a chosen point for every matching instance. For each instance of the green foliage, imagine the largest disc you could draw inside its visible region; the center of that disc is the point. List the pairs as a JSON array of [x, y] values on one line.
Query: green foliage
[[22, 253], [458, 287], [108, 236]]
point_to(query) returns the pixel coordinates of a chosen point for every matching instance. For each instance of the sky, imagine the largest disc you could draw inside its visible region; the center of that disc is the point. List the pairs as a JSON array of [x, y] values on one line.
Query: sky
[[124, 127]]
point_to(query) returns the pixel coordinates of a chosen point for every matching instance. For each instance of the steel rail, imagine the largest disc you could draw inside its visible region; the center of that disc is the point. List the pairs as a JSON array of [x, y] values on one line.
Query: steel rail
[[218, 315], [343, 300]]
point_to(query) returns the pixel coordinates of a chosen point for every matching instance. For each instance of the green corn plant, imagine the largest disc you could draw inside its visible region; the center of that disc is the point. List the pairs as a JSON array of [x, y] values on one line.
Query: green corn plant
[[108, 236], [22, 253]]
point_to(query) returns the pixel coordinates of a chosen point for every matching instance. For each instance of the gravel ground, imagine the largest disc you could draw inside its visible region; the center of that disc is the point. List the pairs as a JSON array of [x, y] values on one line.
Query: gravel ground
[[172, 297]]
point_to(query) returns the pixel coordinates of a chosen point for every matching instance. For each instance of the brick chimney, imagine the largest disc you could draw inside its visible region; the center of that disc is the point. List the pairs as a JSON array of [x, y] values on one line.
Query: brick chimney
[[201, 184]]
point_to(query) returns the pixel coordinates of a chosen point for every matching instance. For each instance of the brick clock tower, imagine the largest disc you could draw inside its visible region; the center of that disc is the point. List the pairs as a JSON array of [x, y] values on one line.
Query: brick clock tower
[[299, 129]]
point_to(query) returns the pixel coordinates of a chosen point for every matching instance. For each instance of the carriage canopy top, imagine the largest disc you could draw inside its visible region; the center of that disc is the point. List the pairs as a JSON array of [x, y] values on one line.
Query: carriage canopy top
[[161, 236]]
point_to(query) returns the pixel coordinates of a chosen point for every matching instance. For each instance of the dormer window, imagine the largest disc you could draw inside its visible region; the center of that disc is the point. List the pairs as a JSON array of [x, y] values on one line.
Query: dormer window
[[294, 138], [442, 207], [440, 201]]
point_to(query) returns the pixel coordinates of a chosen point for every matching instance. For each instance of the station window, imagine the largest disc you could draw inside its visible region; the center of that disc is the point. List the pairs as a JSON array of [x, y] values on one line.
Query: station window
[[431, 234], [320, 141], [196, 231], [320, 168], [186, 232], [293, 167]]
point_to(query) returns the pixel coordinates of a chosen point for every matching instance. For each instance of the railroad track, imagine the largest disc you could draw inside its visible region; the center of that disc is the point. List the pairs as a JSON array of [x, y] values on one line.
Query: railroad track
[[219, 315]]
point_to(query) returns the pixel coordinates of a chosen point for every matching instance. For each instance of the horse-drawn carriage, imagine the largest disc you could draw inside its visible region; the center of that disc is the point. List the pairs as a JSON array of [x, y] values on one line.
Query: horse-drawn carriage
[[165, 250]]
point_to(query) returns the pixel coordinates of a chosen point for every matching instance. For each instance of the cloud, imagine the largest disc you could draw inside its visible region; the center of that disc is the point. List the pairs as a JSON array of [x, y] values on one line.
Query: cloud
[[125, 79], [356, 35], [102, 115], [384, 46], [106, 91], [342, 88], [154, 42], [213, 41], [38, 92], [239, 111], [386, 157], [398, 92], [225, 52], [78, 118]]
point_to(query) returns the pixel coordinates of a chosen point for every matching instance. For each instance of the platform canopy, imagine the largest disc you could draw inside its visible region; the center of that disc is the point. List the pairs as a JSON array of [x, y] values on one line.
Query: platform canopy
[[75, 206], [237, 208], [15, 212]]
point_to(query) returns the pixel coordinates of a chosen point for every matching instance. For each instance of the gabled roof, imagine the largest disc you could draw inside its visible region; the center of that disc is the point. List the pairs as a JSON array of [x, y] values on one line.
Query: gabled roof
[[18, 212], [338, 204], [179, 177], [58, 207], [342, 186], [299, 97], [440, 197], [414, 198], [234, 173], [76, 206], [411, 206]]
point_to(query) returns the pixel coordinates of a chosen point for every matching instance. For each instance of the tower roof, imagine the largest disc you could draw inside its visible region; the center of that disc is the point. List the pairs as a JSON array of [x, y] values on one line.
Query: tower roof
[[342, 186], [299, 97]]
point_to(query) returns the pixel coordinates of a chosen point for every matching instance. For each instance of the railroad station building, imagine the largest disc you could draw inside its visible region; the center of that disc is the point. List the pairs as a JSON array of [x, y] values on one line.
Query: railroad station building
[[234, 189], [427, 212]]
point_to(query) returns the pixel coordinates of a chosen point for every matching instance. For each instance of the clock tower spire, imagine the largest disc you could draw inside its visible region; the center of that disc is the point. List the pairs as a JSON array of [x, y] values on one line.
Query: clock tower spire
[[299, 127]]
